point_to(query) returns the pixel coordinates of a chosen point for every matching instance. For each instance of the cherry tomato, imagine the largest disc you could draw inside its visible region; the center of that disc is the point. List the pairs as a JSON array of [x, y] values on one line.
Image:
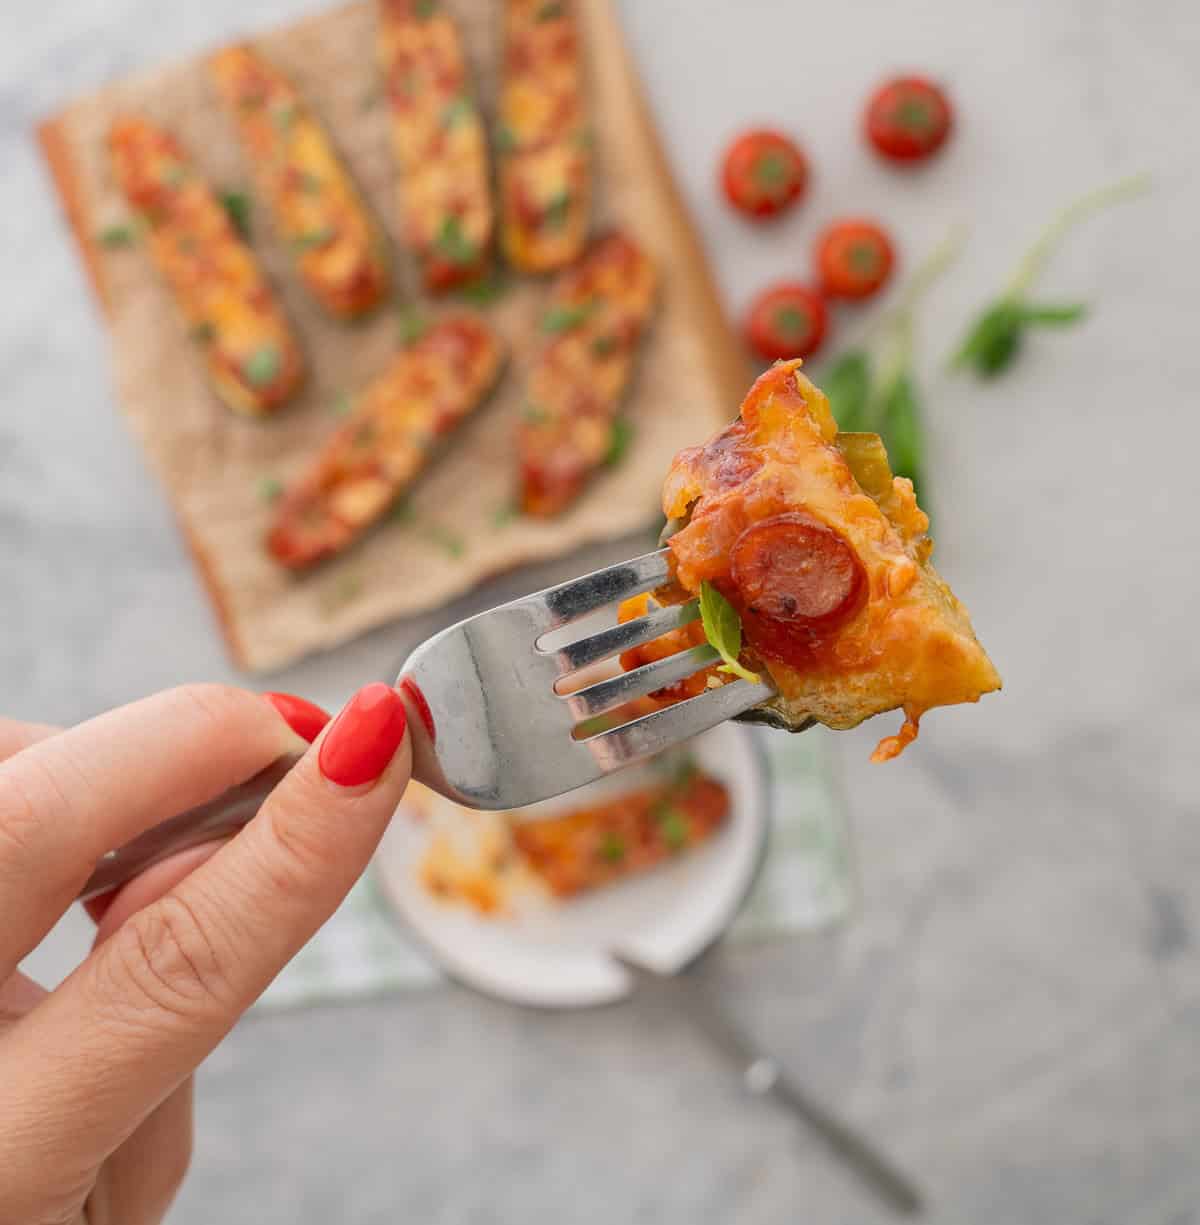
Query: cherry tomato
[[854, 259], [908, 119], [786, 320], [764, 173]]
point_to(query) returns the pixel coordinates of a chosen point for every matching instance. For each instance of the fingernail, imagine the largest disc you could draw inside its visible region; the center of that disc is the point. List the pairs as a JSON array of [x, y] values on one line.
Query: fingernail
[[364, 737], [304, 718]]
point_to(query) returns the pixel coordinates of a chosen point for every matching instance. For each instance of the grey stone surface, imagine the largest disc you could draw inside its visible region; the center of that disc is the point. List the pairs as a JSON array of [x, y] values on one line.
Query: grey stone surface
[[1015, 1009]]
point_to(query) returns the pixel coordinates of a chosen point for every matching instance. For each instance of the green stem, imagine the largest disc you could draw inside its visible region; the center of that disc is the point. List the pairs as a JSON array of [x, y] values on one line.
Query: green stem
[[1036, 257]]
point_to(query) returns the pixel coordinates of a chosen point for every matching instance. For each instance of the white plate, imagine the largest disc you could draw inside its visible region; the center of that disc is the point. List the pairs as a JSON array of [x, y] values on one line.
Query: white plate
[[557, 956]]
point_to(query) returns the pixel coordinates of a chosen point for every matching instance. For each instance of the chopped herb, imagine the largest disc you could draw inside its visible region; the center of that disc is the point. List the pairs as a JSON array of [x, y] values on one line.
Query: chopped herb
[[269, 489], [535, 414], [453, 245], [684, 774], [506, 139], [674, 828], [284, 116], [237, 205], [413, 325], [564, 318], [344, 591], [203, 333], [551, 10], [262, 366], [401, 512], [723, 629], [310, 184], [558, 209], [503, 515], [456, 110], [425, 8], [176, 175], [114, 236], [485, 290], [446, 540], [612, 847], [618, 442], [604, 346], [310, 240]]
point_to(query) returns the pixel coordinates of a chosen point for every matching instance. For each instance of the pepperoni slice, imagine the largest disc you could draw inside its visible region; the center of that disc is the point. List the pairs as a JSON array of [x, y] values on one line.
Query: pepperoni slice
[[793, 568]]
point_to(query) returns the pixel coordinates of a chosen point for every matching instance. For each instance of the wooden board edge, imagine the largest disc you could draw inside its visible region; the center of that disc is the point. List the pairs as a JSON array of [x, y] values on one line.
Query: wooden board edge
[[52, 139]]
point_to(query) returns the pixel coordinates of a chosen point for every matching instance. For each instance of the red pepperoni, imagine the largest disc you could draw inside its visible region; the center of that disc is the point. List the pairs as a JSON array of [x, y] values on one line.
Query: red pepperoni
[[792, 568]]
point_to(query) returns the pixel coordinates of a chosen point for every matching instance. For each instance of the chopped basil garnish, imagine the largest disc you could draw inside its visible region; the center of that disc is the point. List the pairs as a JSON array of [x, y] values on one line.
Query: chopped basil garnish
[[425, 8], [723, 629], [486, 290], [269, 489], [401, 512], [506, 139], [262, 366], [310, 240], [453, 245], [618, 442], [413, 325], [449, 542], [343, 405], [114, 236], [564, 318], [674, 830], [612, 847], [203, 333], [502, 516], [237, 205], [284, 116], [558, 209], [176, 175], [455, 111], [603, 346], [551, 10], [535, 414]]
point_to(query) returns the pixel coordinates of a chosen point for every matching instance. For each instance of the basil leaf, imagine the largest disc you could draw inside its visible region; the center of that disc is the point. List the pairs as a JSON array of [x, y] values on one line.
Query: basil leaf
[[993, 340], [262, 366], [723, 629], [114, 236], [311, 239], [618, 442], [269, 489], [612, 847], [457, 109], [847, 383], [237, 205], [453, 245], [484, 291], [413, 325], [902, 430], [1052, 316], [564, 318]]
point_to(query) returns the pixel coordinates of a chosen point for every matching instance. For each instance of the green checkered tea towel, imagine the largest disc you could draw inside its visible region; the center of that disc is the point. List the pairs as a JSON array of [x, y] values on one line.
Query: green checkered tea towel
[[805, 884]]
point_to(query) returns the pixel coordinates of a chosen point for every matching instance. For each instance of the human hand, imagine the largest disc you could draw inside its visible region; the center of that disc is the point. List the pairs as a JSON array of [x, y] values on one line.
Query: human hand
[[95, 1112]]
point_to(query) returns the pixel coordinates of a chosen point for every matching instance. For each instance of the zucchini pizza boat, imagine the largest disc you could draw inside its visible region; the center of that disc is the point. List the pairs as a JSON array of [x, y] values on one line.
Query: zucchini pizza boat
[[439, 142], [812, 564], [595, 317], [388, 439], [254, 361], [545, 171], [317, 210]]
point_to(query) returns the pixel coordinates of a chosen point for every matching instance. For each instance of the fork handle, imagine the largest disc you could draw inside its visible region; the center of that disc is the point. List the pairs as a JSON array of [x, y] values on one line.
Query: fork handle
[[217, 819]]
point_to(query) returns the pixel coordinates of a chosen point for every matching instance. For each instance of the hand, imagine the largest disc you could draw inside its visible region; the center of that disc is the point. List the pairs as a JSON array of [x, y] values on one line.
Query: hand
[[95, 1107]]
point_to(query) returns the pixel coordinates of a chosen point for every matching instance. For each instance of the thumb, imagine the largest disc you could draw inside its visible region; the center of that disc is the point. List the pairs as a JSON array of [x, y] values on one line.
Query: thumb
[[155, 998]]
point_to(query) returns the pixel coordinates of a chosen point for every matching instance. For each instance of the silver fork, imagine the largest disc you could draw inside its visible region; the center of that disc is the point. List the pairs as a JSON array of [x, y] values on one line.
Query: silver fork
[[501, 725]]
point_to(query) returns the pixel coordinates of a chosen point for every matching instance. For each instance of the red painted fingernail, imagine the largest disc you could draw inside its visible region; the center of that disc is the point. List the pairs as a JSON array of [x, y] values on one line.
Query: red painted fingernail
[[412, 689], [364, 737], [304, 718]]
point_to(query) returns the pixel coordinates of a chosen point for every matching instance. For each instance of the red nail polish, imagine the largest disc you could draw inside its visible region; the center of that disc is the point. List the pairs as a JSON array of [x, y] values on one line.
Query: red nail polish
[[364, 737], [410, 687], [304, 718]]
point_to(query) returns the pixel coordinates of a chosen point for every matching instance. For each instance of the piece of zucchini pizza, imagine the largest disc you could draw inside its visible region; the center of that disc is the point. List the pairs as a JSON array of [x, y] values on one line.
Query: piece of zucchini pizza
[[318, 212], [626, 835], [545, 166], [387, 440], [811, 561], [254, 361], [594, 319], [439, 142]]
